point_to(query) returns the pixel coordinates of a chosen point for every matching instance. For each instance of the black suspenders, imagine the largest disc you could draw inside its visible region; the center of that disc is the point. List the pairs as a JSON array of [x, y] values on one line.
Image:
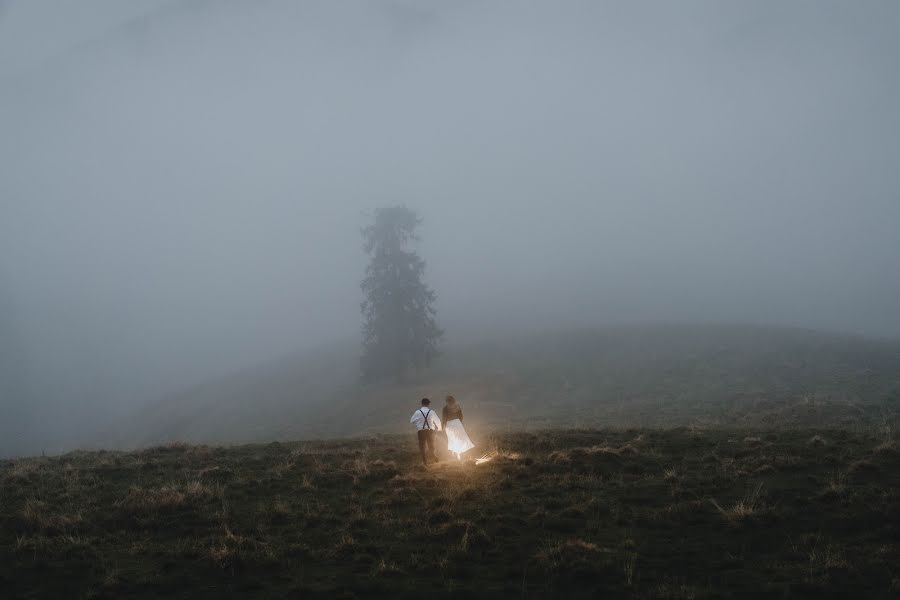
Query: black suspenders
[[426, 418]]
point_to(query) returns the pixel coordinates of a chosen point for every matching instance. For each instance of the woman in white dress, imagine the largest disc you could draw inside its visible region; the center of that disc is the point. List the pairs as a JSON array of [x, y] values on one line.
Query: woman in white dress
[[458, 441]]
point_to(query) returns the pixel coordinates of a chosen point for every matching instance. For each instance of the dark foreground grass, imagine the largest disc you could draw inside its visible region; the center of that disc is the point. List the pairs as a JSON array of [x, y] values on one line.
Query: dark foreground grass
[[634, 513]]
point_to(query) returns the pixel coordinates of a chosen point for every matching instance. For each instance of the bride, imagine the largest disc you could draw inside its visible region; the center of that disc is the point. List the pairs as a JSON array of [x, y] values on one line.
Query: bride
[[457, 439]]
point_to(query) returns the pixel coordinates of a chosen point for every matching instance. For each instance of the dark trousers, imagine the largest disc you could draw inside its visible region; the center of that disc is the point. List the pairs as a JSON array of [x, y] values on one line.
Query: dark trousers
[[426, 438]]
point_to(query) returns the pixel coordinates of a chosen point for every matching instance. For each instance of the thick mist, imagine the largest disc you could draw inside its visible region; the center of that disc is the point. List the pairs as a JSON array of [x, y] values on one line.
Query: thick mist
[[182, 183]]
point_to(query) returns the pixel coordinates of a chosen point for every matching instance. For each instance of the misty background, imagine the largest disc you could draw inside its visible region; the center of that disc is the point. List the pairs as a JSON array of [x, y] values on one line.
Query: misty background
[[182, 182]]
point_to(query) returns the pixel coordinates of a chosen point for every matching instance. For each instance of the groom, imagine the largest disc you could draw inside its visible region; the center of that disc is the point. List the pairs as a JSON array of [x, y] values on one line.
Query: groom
[[426, 422]]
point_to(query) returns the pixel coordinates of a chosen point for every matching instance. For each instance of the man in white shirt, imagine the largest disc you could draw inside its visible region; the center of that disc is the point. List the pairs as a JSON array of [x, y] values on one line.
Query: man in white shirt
[[426, 422]]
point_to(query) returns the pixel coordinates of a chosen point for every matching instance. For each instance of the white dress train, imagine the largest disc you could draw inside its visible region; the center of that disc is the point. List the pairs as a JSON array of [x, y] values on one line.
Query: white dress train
[[457, 439]]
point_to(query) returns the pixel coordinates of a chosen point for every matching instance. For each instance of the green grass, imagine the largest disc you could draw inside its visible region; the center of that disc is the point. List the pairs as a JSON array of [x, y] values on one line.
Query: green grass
[[640, 513]]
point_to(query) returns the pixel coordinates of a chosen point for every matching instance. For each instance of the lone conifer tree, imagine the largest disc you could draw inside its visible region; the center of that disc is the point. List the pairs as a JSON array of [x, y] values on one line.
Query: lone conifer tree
[[400, 332]]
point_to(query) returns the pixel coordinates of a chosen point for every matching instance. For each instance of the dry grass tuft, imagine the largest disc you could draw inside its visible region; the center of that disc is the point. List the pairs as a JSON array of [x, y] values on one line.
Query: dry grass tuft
[[169, 497], [344, 547], [566, 456], [276, 511], [359, 467], [560, 457], [281, 469], [743, 509], [383, 464], [674, 590], [576, 556], [384, 568], [36, 516], [34, 512], [215, 473], [677, 510], [629, 567], [888, 447], [628, 449], [410, 478], [229, 549], [836, 484], [570, 546], [22, 470], [825, 559]]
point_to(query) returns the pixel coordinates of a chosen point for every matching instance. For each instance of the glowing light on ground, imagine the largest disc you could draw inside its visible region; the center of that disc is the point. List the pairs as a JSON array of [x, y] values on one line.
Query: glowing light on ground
[[487, 457]]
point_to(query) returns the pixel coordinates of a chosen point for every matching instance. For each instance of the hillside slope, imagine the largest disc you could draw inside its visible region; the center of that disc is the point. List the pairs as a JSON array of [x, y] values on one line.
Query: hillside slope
[[627, 376]]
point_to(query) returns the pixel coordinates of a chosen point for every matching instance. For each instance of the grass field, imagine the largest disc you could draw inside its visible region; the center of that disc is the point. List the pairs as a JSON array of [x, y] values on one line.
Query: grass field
[[639, 513]]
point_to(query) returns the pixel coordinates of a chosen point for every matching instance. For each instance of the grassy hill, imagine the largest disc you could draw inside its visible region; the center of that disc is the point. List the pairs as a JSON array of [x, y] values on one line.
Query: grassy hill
[[682, 513], [685, 462], [660, 375]]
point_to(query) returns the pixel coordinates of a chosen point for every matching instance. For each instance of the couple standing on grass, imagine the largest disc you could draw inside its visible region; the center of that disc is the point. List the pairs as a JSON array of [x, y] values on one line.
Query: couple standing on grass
[[427, 423]]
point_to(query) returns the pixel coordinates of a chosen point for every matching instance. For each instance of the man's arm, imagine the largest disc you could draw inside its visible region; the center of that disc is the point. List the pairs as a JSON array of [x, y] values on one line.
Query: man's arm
[[412, 419], [436, 422]]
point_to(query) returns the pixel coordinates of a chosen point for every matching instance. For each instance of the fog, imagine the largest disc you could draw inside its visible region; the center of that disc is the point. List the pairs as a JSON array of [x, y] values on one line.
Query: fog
[[182, 183]]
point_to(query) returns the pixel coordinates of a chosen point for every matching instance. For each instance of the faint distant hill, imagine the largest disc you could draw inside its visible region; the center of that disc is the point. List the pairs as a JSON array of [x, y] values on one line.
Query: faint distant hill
[[650, 375]]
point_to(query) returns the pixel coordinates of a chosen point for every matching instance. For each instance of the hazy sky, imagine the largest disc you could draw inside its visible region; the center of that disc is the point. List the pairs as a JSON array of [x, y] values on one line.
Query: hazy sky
[[182, 183]]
